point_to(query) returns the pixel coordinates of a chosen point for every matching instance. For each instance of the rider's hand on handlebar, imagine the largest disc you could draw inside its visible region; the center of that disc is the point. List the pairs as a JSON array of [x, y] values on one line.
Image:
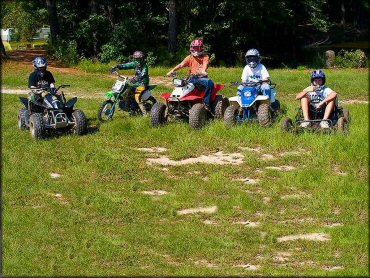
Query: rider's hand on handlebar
[[170, 73], [114, 68]]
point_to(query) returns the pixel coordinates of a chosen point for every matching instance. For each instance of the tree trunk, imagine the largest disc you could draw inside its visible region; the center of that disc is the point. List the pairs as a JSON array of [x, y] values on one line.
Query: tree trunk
[[172, 26], [110, 8], [94, 11], [53, 19], [343, 13]]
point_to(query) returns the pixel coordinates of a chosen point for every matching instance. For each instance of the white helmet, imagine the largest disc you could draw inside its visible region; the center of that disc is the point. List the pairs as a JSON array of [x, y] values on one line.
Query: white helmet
[[252, 57]]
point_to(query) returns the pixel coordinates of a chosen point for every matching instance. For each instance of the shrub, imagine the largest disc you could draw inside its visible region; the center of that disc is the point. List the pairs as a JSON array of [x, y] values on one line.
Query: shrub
[[65, 52], [351, 59]]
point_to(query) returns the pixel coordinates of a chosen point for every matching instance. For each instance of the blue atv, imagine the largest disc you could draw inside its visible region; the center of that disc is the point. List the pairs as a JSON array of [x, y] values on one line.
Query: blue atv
[[251, 104]]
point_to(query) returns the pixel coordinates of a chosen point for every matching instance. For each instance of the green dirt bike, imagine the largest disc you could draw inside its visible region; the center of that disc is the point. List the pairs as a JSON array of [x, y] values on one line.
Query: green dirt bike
[[117, 96]]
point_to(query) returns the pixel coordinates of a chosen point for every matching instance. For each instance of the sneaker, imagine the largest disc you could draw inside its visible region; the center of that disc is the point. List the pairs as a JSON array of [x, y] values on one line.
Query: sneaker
[[324, 124], [305, 124]]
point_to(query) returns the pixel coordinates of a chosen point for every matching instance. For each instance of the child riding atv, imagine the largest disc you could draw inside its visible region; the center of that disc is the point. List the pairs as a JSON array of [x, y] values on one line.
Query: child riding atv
[[40, 78], [198, 62], [254, 71], [140, 82], [320, 97]]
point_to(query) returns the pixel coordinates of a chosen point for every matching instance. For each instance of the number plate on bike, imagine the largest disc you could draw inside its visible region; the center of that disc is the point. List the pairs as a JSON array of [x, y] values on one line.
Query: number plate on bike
[[118, 86]]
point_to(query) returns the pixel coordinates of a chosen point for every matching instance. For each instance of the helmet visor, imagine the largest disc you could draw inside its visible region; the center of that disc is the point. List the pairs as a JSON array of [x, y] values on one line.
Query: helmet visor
[[252, 59]]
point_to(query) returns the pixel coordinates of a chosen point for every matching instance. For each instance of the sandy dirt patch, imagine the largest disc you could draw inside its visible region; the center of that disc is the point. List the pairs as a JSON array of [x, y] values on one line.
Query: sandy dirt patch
[[282, 257], [152, 150], [155, 192], [208, 210], [267, 156], [313, 236], [248, 180], [332, 268], [333, 225], [210, 222], [59, 197], [281, 168], [246, 223], [354, 101], [266, 200], [248, 266], [55, 175], [219, 158]]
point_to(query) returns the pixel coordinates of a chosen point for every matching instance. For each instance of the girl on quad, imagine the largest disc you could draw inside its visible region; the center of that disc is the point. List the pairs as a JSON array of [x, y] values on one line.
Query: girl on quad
[[140, 82], [198, 62], [320, 96]]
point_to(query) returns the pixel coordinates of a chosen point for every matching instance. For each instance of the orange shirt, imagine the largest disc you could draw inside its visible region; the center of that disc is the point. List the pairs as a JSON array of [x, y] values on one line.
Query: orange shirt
[[196, 64]]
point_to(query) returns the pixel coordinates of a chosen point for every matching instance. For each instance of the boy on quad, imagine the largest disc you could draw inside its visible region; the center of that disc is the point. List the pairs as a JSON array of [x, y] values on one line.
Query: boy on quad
[[140, 82], [198, 62], [254, 71], [320, 96], [40, 78]]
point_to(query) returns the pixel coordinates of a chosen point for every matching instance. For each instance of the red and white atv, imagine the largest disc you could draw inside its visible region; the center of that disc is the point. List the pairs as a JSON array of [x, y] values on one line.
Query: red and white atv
[[186, 102]]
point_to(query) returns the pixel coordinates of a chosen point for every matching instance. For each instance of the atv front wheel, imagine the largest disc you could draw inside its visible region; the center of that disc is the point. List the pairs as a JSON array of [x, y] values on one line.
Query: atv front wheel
[[37, 126], [231, 113], [221, 105], [263, 114], [23, 118], [106, 111], [80, 126], [197, 116], [342, 125], [158, 114], [287, 124]]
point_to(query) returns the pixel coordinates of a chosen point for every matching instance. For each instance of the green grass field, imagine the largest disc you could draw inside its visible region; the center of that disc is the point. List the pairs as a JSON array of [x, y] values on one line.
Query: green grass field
[[95, 220]]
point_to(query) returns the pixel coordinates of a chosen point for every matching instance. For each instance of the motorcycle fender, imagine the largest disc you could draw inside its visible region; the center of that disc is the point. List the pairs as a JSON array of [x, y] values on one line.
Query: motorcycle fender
[[70, 103], [24, 101], [235, 101], [146, 95], [109, 95]]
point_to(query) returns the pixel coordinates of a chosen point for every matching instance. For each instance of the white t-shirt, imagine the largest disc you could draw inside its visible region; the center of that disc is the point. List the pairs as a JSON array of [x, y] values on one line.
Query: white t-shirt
[[255, 74], [319, 95]]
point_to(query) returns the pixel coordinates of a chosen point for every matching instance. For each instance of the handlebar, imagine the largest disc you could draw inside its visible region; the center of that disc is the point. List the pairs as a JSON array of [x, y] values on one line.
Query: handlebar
[[49, 89], [252, 84], [118, 74]]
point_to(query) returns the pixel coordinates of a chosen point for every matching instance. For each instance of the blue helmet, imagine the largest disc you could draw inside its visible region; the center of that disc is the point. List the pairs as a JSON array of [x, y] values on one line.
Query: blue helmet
[[318, 74], [253, 57], [40, 63]]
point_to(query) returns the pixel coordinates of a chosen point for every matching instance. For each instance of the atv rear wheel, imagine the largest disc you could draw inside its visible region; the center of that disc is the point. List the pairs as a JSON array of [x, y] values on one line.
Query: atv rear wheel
[[221, 105], [347, 115], [342, 125], [106, 112], [231, 113], [158, 114], [80, 126], [287, 124], [263, 114], [197, 116], [23, 118], [37, 126]]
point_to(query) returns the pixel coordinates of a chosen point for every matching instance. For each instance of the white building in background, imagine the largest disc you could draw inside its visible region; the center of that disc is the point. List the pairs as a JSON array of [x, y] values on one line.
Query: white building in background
[[9, 34]]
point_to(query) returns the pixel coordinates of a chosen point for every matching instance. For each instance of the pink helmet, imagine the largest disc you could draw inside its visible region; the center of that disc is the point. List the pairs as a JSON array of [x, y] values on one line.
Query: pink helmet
[[196, 47]]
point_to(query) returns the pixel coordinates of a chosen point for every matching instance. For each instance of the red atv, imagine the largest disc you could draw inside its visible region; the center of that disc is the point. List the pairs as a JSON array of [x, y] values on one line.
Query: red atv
[[186, 102]]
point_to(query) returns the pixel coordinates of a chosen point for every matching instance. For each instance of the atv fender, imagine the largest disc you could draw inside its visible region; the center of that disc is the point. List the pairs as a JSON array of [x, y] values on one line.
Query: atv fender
[[70, 103], [165, 96], [191, 98], [235, 101], [24, 101]]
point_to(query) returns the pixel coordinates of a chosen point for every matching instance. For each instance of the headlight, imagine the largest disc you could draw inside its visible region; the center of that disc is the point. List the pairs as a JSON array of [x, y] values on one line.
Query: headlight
[[178, 82]]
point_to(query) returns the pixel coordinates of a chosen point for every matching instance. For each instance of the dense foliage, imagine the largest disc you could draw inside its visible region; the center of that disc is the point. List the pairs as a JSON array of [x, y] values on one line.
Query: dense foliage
[[287, 32]]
